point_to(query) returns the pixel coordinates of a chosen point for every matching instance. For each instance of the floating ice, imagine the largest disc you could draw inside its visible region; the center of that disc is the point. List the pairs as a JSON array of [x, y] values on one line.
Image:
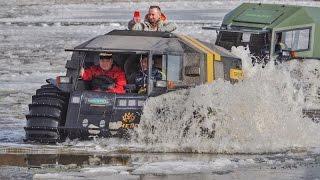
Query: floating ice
[[173, 167]]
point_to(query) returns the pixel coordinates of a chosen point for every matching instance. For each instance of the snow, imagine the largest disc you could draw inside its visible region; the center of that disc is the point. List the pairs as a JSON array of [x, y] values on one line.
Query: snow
[[108, 170], [315, 150], [153, 168], [179, 167], [184, 167], [77, 176]]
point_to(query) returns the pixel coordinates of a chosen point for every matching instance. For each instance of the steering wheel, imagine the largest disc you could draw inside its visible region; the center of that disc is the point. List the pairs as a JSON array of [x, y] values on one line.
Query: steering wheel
[[102, 82]]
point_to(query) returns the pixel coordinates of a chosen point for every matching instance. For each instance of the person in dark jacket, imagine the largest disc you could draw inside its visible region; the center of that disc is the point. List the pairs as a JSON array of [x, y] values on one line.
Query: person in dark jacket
[[141, 79], [155, 20], [105, 77]]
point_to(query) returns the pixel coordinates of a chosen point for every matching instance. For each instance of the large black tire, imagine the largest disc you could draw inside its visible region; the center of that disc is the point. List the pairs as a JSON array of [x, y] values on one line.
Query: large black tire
[[46, 114]]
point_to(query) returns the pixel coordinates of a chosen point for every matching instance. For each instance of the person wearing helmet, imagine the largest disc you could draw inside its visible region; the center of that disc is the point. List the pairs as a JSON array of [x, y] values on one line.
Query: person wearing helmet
[[105, 77], [155, 20]]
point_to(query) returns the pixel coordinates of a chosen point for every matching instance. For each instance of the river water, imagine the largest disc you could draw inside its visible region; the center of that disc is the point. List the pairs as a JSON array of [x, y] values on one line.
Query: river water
[[260, 131]]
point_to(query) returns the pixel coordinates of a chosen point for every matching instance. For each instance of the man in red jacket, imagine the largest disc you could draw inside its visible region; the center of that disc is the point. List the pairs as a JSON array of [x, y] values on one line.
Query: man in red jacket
[[105, 77]]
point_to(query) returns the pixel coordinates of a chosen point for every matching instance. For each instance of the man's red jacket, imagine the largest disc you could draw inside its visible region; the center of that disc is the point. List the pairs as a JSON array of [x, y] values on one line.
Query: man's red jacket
[[115, 73]]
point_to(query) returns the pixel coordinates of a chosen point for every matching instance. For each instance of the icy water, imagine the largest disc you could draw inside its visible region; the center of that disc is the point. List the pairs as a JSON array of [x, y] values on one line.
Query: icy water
[[260, 131]]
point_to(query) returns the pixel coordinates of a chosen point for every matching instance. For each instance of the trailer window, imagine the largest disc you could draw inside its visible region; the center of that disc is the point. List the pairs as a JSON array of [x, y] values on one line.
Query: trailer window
[[174, 68], [296, 40]]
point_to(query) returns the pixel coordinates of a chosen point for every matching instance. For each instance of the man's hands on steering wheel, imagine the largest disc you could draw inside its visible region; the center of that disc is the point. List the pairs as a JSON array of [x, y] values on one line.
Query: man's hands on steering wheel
[[102, 83]]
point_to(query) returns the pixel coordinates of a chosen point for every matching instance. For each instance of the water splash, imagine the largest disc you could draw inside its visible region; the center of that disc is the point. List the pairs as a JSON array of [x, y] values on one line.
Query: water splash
[[260, 114]]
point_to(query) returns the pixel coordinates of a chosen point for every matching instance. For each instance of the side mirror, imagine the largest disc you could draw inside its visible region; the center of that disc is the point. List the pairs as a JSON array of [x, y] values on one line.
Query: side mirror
[[192, 71]]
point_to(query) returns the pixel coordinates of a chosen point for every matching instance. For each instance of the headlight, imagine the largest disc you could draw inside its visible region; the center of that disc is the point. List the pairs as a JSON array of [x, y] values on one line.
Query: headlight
[[85, 123], [122, 102], [236, 74], [63, 80], [75, 100], [129, 102], [132, 102], [102, 123], [140, 102]]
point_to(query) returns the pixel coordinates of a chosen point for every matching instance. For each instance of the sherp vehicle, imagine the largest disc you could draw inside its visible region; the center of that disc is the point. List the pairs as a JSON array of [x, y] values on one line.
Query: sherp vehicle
[[273, 31], [263, 27], [67, 107]]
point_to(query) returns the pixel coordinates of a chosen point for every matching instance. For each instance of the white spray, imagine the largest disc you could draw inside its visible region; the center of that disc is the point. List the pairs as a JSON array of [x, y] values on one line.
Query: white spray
[[260, 114]]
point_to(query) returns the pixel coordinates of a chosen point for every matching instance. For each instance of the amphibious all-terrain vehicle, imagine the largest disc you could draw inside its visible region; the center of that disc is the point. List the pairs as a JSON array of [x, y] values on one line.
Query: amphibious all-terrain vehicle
[[273, 31], [67, 107], [264, 27]]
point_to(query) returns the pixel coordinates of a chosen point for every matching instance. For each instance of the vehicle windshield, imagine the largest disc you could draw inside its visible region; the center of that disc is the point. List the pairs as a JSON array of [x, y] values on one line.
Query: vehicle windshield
[[259, 44]]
